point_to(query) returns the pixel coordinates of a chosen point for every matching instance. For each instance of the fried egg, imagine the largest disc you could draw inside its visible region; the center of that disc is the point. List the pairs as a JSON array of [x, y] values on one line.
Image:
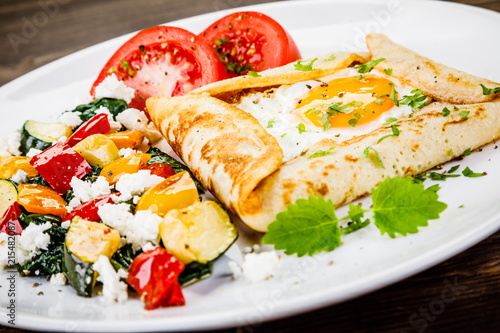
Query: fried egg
[[338, 107]]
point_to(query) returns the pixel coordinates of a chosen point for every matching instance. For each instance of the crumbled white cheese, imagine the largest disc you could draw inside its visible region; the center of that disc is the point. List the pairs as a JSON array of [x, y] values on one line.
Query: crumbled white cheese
[[148, 247], [62, 139], [256, 267], [20, 177], [58, 279], [136, 120], [126, 152], [4, 147], [111, 87], [131, 184], [136, 199], [85, 191], [138, 230], [32, 240], [112, 288], [65, 224], [14, 142], [33, 152], [114, 125], [71, 119], [4, 251]]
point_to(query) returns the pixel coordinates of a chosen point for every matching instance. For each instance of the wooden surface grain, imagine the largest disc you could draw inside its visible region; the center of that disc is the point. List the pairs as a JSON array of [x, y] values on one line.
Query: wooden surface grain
[[460, 295]]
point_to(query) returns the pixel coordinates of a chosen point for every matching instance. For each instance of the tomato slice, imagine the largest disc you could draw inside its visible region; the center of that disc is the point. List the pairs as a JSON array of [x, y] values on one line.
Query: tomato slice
[[163, 61], [250, 41]]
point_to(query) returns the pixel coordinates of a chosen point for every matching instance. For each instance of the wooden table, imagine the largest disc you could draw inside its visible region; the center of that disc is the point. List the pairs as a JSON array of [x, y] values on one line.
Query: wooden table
[[410, 305]]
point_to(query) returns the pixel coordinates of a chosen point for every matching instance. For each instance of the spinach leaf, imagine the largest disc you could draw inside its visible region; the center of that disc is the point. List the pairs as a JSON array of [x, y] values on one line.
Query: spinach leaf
[[49, 261], [115, 106], [38, 180], [123, 257], [157, 156], [194, 272]]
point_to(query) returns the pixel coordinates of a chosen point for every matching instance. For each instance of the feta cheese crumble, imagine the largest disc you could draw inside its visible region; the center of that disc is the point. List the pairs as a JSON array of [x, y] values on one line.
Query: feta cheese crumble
[[33, 152], [13, 143], [126, 152], [112, 288], [111, 87], [31, 241], [136, 120], [256, 267], [138, 230], [136, 183], [58, 279], [4, 150], [20, 177], [85, 191], [71, 119]]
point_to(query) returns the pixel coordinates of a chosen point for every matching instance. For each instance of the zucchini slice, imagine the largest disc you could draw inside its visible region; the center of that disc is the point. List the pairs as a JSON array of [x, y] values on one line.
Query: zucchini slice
[[195, 272], [8, 195], [81, 276], [41, 135], [199, 233], [88, 240]]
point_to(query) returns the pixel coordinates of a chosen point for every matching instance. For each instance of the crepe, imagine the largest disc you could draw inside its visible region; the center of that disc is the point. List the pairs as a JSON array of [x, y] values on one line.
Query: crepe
[[238, 161]]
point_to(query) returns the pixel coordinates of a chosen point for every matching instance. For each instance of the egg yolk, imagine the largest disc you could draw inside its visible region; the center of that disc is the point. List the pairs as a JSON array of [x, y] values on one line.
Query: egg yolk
[[362, 98]]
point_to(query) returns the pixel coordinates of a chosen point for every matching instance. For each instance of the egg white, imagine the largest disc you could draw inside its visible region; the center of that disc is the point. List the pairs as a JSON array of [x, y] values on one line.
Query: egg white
[[274, 111]]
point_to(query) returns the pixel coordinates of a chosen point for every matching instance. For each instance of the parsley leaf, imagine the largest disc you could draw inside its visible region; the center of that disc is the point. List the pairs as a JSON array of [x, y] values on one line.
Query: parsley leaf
[[395, 132], [467, 152], [390, 120], [446, 112], [488, 91], [416, 101], [366, 153], [302, 128], [253, 74], [401, 206], [469, 173], [299, 66], [306, 227], [270, 123], [450, 152], [378, 101], [393, 94], [322, 152], [334, 109], [365, 68], [464, 114], [388, 71], [332, 57], [221, 41]]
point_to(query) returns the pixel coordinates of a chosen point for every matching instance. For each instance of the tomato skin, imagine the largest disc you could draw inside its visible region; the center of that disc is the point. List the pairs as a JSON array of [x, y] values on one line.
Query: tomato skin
[[9, 223], [148, 49], [160, 169], [154, 275], [98, 124], [251, 38], [89, 210], [58, 164]]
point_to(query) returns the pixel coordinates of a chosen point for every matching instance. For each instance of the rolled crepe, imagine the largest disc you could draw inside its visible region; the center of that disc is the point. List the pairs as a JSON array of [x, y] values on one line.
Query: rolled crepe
[[238, 161]]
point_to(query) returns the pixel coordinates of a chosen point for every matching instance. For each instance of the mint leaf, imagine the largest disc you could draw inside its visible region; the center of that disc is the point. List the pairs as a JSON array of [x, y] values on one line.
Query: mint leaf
[[446, 112], [401, 206], [306, 227], [365, 68], [388, 71]]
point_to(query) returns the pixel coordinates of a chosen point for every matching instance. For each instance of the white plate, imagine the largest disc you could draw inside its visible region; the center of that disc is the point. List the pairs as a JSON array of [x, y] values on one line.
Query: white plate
[[457, 35]]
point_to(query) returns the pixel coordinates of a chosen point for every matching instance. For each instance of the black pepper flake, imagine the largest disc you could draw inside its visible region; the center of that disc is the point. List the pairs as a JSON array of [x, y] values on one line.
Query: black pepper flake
[[300, 101], [230, 26], [35, 284], [485, 173], [480, 149], [110, 173], [323, 95], [141, 47], [341, 94], [324, 84], [40, 293], [496, 147], [166, 73], [308, 86], [215, 26], [418, 67], [186, 246], [192, 48]]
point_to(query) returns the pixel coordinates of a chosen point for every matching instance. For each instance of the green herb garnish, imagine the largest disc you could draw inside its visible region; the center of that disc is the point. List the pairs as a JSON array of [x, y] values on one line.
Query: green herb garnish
[[365, 68], [366, 153], [253, 74], [319, 153], [388, 71], [464, 114], [469, 173], [446, 112], [300, 66], [488, 91]]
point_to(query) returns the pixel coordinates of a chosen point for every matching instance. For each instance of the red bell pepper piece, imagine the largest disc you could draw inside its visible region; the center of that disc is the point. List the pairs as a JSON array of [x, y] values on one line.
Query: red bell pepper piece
[[160, 169], [88, 210], [98, 124], [58, 164], [153, 274], [9, 223]]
